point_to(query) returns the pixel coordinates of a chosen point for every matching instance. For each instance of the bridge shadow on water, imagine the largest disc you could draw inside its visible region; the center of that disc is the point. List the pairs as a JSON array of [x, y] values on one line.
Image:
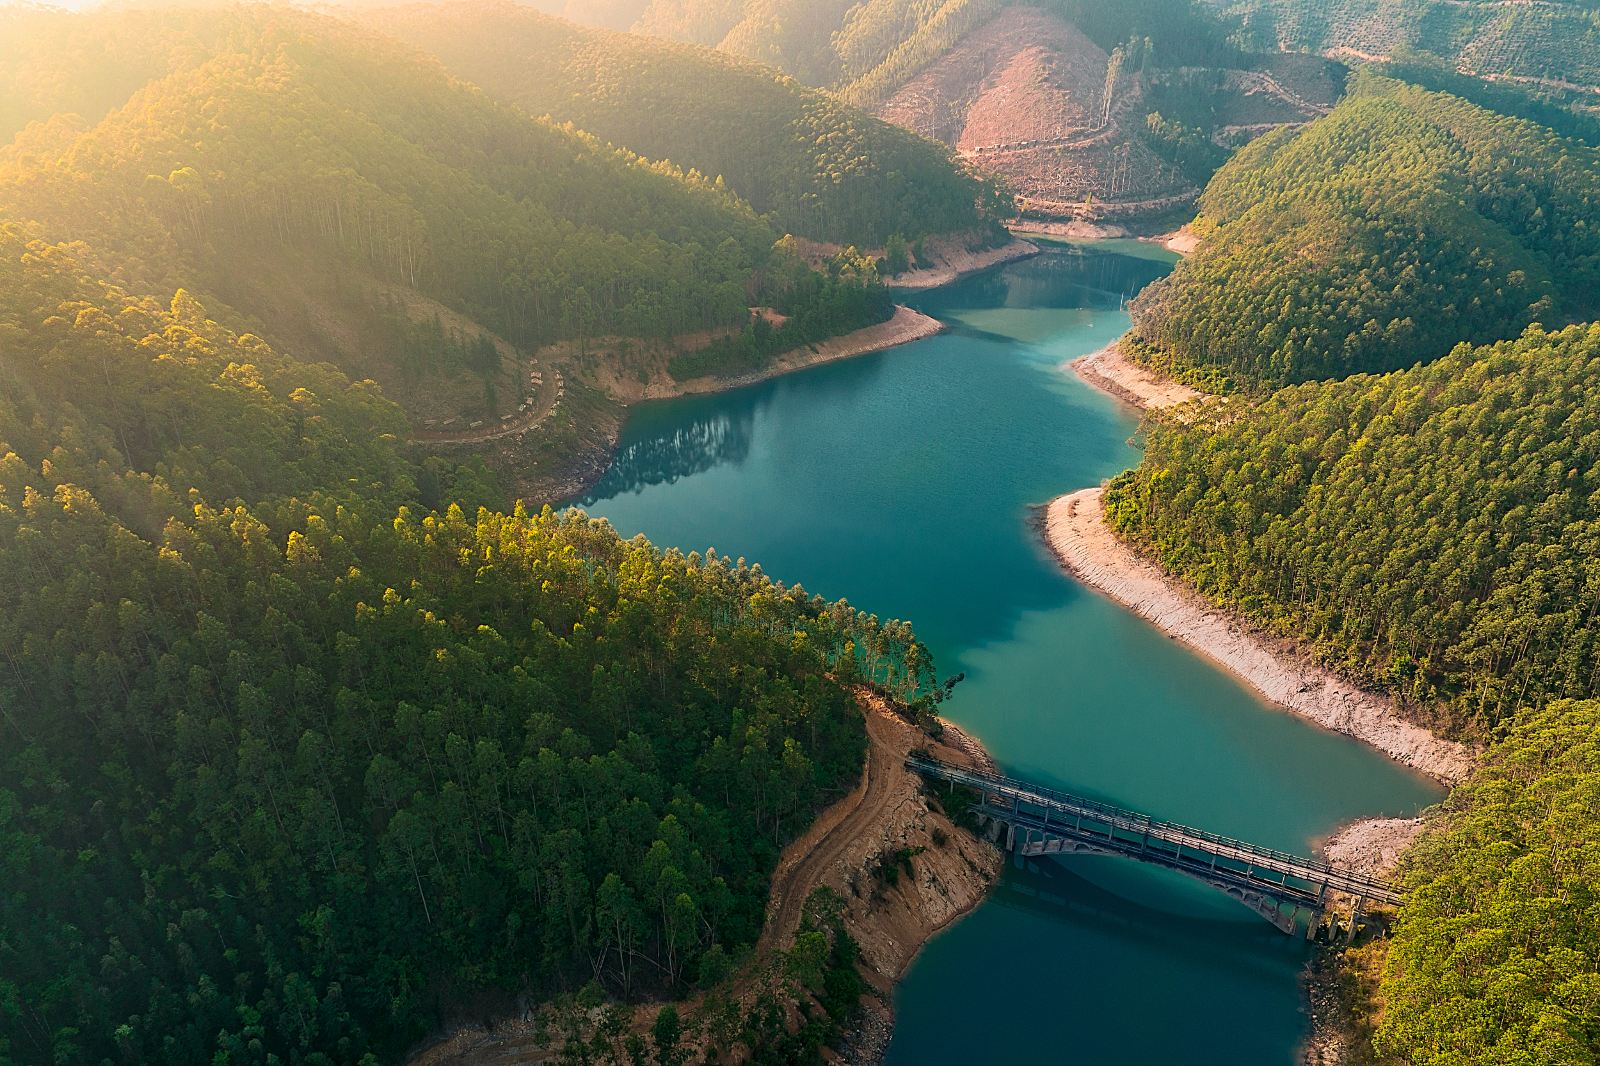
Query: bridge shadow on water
[[1140, 907]]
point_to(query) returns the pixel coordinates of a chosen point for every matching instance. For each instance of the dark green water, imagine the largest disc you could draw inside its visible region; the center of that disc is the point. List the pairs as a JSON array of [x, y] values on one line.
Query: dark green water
[[902, 481]]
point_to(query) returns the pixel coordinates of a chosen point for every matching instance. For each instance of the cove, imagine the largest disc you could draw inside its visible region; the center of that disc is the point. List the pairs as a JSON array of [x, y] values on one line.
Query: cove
[[903, 482]]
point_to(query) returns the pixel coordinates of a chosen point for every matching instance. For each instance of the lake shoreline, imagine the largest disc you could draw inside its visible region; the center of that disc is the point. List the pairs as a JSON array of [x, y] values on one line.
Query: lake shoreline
[[1074, 529], [1113, 373], [951, 262], [903, 327], [588, 463], [1370, 845]]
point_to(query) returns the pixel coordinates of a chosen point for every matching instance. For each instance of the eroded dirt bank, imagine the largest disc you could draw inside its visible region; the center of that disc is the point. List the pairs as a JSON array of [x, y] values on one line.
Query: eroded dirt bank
[[888, 816], [1338, 985], [1080, 539], [887, 822]]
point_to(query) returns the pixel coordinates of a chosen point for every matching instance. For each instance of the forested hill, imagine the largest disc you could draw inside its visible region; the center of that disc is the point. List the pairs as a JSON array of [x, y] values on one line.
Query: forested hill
[[336, 191], [819, 168], [1544, 42], [1435, 530], [294, 769], [1379, 237]]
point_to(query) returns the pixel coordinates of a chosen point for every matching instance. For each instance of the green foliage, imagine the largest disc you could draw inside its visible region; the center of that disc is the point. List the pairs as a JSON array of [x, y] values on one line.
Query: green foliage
[[292, 768], [815, 307], [1188, 148], [1435, 531], [815, 166], [1544, 44], [1496, 958], [1379, 237], [1516, 99], [365, 183]]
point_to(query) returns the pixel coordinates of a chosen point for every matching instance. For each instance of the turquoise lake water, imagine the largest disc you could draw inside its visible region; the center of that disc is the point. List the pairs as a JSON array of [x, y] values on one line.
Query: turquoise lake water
[[903, 481]]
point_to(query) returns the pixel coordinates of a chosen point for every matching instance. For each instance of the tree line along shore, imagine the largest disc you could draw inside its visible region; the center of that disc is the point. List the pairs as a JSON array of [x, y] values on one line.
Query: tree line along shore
[[1376, 505]]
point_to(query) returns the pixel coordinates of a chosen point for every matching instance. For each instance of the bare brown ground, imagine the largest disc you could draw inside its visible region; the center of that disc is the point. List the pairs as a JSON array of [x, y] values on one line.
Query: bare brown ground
[[1023, 97]]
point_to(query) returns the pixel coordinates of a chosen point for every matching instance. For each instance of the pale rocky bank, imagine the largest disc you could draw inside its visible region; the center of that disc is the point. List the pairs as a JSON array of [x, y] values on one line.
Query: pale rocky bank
[[952, 260], [1076, 532], [1112, 372], [903, 327]]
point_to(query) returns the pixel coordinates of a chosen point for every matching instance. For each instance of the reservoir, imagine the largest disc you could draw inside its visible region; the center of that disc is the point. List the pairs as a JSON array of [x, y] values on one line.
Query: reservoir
[[904, 482]]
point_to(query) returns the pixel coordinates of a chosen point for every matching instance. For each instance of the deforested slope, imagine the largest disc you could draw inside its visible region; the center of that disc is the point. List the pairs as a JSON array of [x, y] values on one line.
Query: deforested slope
[[1028, 96], [1378, 237]]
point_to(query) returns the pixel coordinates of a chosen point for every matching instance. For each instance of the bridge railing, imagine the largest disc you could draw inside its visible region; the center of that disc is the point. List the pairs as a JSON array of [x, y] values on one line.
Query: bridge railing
[[1120, 818]]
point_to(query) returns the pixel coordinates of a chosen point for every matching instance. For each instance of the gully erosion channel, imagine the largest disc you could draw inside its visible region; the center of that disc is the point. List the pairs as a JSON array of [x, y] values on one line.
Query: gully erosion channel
[[903, 481]]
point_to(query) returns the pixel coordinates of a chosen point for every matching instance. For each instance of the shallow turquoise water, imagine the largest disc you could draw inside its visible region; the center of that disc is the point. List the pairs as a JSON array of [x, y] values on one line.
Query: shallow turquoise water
[[903, 481]]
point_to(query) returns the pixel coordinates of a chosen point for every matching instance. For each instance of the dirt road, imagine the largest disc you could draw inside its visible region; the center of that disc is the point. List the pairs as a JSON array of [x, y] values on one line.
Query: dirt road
[[806, 860]]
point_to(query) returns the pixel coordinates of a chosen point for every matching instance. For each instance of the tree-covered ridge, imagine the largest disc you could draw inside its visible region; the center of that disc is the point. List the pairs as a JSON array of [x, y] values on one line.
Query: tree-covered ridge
[[1496, 958], [817, 167], [1378, 237], [336, 192], [1435, 531], [1545, 43], [312, 137], [292, 768]]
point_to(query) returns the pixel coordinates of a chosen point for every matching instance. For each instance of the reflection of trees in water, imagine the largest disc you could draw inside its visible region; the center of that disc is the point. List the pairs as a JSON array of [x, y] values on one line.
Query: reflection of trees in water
[[1071, 277], [685, 448]]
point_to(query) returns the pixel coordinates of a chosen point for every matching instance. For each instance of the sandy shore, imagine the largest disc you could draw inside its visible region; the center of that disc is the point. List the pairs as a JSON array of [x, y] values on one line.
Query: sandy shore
[[1112, 372], [952, 262], [1087, 548]]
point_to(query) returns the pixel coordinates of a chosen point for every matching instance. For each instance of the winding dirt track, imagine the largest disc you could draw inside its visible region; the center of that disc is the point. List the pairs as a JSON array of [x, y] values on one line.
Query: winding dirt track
[[805, 861]]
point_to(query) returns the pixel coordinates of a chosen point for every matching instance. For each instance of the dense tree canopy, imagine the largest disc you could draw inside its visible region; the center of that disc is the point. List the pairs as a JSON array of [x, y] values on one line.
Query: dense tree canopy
[[1435, 530], [1549, 43], [1378, 237], [1496, 959], [298, 173], [292, 767], [819, 168]]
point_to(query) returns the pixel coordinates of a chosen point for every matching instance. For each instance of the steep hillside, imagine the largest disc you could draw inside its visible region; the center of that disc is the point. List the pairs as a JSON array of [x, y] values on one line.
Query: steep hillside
[[297, 769], [1026, 96], [818, 168], [1432, 530], [1086, 110], [342, 195], [1380, 236], [1551, 43]]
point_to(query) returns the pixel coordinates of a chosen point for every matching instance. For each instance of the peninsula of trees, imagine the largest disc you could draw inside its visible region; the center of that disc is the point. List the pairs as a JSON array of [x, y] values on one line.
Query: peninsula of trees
[[1419, 511], [296, 766], [1381, 236]]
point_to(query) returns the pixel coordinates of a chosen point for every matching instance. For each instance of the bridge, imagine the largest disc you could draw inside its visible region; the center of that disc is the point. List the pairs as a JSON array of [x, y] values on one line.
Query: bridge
[[1039, 821]]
